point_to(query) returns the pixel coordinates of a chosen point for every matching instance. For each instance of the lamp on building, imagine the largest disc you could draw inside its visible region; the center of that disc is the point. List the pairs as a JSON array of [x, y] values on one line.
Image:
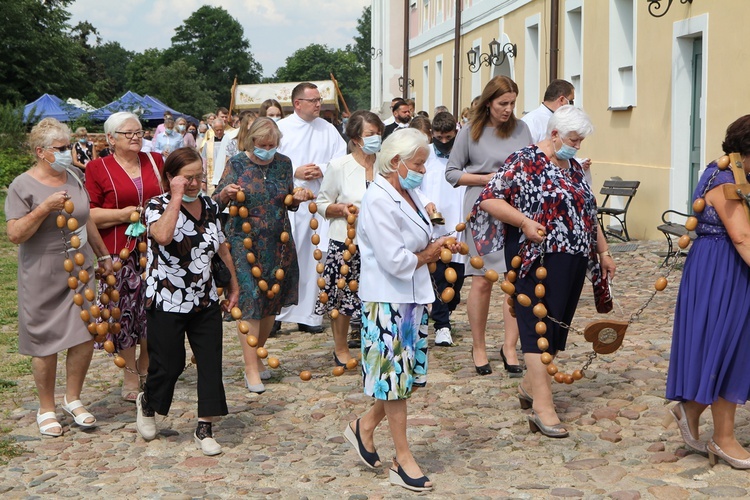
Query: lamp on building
[[495, 57], [401, 83], [375, 53], [655, 7]]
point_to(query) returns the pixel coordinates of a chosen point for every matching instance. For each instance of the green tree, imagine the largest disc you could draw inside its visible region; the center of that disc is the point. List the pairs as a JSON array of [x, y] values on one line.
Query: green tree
[[179, 86], [112, 61], [363, 39], [37, 53], [141, 66], [213, 42]]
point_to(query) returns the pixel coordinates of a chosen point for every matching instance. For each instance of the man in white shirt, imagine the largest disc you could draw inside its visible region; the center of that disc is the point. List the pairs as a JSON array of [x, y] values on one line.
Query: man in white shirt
[[310, 142], [558, 93], [209, 152], [401, 116]]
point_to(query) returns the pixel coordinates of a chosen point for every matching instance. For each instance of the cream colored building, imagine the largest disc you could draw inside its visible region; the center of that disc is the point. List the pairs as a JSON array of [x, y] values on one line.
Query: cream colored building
[[660, 90]]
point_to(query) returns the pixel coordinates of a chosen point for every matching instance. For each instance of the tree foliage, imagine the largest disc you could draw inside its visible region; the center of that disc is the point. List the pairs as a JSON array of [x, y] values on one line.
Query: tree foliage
[[213, 42], [37, 54], [350, 66]]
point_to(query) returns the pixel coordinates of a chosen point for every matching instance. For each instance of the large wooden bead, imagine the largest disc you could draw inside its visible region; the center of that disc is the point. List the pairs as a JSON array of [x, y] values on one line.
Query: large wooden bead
[[353, 285], [516, 262], [577, 375], [460, 227], [273, 362], [450, 275], [317, 254], [233, 210], [72, 223], [313, 207], [252, 340], [275, 288], [691, 223], [75, 241], [256, 272], [699, 205], [60, 221], [262, 352], [279, 274], [250, 257], [511, 276], [542, 343], [334, 313], [508, 287], [314, 225], [68, 265], [684, 241], [463, 248], [559, 377], [540, 327], [240, 196], [540, 311], [539, 291], [236, 313], [661, 283], [243, 327], [344, 269], [523, 299], [432, 267], [288, 200], [541, 273], [305, 375], [448, 294], [247, 243], [723, 162], [323, 297], [546, 358], [263, 285], [315, 239], [69, 207], [491, 275], [246, 227], [319, 268]]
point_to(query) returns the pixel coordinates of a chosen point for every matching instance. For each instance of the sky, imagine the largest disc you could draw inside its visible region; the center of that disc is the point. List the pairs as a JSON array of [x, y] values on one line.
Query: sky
[[275, 28]]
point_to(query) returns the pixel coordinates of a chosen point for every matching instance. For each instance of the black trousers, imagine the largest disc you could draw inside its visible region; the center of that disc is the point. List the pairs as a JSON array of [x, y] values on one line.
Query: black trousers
[[166, 351], [566, 274], [441, 313]]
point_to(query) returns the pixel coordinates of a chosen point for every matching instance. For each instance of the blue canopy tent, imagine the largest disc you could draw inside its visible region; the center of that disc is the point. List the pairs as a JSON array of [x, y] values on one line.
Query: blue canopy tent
[[130, 101], [50, 106], [158, 108]]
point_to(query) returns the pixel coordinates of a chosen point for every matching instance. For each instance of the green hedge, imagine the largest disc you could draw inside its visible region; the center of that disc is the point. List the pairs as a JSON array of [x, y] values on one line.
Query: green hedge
[[12, 164]]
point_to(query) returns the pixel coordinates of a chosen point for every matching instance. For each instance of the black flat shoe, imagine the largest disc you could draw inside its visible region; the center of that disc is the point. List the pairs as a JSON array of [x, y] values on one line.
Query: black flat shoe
[[513, 370], [275, 328], [336, 360], [481, 370], [369, 458], [309, 328]]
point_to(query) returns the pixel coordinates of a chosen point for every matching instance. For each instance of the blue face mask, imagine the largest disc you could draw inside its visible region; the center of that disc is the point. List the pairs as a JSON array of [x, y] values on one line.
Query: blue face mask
[[190, 199], [371, 145], [566, 152], [264, 154], [413, 179]]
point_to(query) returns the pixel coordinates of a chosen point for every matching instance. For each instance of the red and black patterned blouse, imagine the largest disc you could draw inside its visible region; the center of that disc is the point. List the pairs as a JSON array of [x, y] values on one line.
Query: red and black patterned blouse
[[557, 198]]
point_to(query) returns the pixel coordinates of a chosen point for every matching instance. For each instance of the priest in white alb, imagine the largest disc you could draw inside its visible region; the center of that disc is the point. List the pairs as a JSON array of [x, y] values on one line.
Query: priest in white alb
[[310, 142]]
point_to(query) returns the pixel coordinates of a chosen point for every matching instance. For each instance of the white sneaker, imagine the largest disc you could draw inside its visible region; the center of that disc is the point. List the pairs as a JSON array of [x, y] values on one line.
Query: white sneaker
[[443, 337], [146, 426], [207, 445]]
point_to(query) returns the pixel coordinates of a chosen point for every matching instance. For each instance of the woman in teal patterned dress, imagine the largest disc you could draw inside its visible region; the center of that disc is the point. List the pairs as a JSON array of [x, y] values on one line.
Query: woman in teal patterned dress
[[265, 178], [395, 242]]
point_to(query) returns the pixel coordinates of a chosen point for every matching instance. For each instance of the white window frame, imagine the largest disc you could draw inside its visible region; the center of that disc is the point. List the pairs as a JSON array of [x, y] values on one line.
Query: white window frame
[[425, 86], [574, 49], [532, 63], [622, 52], [438, 81]]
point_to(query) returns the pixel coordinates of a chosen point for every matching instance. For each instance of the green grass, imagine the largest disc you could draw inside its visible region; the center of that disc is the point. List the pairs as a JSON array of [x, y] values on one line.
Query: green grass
[[14, 365]]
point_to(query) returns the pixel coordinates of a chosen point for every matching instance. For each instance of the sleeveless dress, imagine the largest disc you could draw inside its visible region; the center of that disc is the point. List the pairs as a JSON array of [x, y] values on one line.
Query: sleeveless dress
[[711, 336]]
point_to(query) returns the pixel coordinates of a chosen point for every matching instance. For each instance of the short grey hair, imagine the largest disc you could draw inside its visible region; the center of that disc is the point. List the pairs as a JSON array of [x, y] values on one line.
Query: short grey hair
[[115, 121], [569, 119], [405, 144]]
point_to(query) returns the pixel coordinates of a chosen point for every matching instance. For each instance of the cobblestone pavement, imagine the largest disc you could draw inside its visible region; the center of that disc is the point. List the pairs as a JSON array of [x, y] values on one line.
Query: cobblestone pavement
[[467, 432]]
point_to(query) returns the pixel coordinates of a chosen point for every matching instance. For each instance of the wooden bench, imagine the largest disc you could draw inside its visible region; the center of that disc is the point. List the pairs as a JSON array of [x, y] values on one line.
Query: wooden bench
[[620, 188], [673, 230]]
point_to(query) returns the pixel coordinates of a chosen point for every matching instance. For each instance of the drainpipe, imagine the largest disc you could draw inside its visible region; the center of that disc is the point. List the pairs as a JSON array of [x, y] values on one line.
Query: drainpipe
[[554, 42], [457, 60], [406, 49]]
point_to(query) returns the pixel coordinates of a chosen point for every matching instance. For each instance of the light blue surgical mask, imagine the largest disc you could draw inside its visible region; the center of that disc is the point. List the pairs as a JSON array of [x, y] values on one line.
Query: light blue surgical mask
[[371, 144], [264, 154], [168, 131], [275, 118], [180, 128], [63, 161], [413, 179], [566, 152], [190, 199]]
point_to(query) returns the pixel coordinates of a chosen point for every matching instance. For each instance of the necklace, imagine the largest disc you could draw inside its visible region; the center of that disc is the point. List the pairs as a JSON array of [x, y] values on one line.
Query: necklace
[[99, 320]]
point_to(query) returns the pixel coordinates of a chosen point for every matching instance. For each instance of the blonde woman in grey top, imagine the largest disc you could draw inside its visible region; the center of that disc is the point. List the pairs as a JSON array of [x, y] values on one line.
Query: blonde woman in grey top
[[480, 150]]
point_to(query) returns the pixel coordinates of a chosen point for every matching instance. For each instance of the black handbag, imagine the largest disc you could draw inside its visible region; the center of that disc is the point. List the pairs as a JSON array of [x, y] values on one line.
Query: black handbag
[[221, 273]]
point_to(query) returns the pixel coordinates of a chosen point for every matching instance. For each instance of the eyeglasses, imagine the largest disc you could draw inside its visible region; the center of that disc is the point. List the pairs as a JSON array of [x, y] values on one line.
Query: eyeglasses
[[319, 100], [62, 149], [129, 135], [570, 101], [192, 178]]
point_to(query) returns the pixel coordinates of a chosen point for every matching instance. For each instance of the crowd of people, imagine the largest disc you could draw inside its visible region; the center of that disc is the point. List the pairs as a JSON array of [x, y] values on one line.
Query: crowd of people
[[294, 205]]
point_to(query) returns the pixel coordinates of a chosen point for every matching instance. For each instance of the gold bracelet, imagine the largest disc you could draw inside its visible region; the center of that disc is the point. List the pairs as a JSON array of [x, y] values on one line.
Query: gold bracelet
[[605, 253]]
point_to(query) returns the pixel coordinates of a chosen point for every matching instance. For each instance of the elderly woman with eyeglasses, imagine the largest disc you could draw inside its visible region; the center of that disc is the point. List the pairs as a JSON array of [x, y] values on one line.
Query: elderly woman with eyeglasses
[[120, 185], [48, 320]]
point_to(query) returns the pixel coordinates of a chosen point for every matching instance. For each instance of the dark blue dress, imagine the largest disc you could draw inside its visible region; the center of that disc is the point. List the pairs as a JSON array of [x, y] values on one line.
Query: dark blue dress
[[711, 339]]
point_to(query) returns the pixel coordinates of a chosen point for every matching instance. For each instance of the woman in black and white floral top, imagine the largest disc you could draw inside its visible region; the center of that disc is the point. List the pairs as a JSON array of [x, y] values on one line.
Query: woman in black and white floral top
[[181, 298]]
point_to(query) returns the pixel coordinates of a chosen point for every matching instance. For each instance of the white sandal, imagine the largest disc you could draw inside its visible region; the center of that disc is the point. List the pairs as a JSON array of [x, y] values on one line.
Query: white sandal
[[81, 418], [45, 429]]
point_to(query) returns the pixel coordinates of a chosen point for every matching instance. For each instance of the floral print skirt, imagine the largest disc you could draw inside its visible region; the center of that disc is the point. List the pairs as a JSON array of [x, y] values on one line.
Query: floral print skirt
[[132, 303], [346, 301], [394, 349]]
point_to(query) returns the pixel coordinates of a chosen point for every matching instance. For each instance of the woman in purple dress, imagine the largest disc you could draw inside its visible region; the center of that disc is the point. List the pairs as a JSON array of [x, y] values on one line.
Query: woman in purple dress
[[711, 338]]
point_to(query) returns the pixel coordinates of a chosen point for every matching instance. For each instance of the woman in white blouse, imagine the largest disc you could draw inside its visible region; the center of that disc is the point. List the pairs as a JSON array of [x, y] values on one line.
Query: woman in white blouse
[[343, 187], [395, 242]]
